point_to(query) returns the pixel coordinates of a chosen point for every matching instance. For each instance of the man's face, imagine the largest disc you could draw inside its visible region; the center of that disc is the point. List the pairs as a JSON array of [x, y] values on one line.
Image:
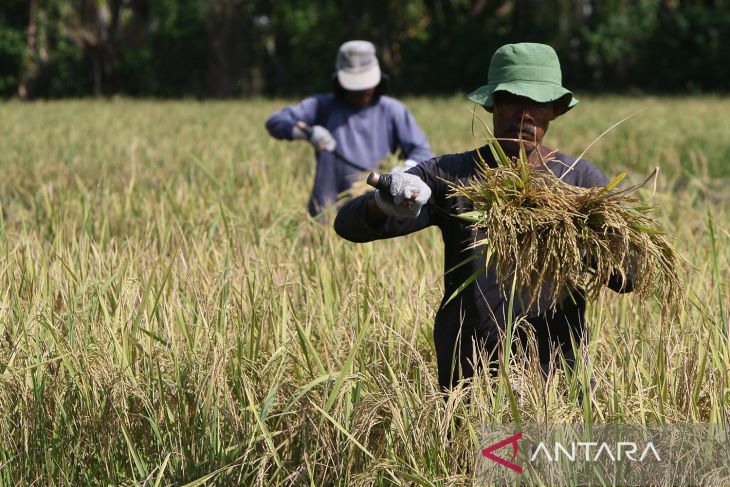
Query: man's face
[[360, 99], [518, 117]]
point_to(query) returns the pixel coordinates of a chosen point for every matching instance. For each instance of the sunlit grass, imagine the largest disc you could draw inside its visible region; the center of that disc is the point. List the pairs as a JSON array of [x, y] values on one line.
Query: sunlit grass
[[170, 314]]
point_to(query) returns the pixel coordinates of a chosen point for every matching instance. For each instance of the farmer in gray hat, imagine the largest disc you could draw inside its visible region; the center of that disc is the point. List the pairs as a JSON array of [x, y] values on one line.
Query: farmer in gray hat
[[524, 93], [353, 128]]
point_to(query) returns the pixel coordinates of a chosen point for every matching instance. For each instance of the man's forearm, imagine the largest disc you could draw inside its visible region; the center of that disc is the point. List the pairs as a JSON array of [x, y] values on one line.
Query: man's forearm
[[353, 221]]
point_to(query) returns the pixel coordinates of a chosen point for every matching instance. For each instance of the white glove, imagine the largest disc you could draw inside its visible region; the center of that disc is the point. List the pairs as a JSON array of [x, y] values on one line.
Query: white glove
[[322, 139], [408, 193], [318, 136]]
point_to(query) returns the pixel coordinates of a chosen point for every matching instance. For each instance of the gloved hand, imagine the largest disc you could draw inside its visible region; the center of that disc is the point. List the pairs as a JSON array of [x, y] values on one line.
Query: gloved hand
[[318, 136], [408, 193], [322, 139]]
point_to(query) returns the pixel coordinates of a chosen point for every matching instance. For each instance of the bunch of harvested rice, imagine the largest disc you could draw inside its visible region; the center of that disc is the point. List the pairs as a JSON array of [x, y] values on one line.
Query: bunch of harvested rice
[[545, 235]]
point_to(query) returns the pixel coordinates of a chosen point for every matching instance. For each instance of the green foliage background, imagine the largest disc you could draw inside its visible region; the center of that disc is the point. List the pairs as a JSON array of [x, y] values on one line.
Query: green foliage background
[[223, 48]]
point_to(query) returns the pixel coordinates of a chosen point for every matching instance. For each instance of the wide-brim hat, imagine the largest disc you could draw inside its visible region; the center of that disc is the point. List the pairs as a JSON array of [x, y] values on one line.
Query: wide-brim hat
[[525, 69], [357, 66]]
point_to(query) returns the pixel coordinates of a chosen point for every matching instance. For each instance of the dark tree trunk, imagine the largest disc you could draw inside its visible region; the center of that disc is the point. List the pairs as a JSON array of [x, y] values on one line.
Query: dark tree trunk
[[29, 66]]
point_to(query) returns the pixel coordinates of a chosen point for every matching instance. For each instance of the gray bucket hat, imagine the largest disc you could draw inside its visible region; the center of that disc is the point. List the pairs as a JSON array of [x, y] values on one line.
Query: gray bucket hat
[[357, 66], [525, 69]]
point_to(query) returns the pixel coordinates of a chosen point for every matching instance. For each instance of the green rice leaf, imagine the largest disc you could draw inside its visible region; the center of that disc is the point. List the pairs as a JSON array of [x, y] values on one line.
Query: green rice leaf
[[470, 216], [464, 262], [464, 285], [615, 182], [650, 230]]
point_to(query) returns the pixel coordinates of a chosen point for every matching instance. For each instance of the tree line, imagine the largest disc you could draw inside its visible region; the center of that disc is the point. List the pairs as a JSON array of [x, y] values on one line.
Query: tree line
[[227, 48]]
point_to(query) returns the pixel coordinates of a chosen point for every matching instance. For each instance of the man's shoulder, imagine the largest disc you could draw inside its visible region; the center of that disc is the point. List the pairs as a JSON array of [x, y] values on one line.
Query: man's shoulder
[[323, 98], [318, 100], [567, 161], [389, 100], [453, 167], [579, 172], [324, 105], [392, 104]]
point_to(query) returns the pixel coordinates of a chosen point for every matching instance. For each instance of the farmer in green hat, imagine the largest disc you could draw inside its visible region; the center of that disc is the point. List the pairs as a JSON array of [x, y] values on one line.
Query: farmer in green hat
[[524, 93]]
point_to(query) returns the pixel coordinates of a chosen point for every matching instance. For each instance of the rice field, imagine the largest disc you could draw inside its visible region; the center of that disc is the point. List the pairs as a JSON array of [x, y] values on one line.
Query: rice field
[[170, 315]]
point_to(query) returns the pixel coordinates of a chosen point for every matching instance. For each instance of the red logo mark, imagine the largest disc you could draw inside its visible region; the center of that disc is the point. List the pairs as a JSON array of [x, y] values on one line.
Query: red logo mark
[[487, 452]]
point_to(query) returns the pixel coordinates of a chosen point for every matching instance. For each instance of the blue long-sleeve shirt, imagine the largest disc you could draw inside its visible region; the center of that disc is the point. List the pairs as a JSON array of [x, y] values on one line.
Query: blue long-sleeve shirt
[[364, 136]]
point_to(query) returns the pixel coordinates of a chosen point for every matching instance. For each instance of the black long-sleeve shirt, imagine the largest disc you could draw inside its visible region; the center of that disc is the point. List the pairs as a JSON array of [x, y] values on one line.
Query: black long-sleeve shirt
[[483, 305]]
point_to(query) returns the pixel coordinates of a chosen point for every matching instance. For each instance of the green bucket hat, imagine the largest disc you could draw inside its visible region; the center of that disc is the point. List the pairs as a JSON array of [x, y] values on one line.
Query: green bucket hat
[[525, 69]]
